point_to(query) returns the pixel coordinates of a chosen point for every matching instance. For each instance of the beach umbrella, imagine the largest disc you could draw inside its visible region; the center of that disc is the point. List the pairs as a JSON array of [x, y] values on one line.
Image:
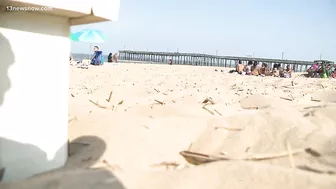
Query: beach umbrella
[[73, 37], [91, 36]]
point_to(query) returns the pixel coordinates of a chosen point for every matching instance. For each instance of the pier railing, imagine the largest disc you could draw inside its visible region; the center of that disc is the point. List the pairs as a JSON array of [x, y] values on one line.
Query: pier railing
[[206, 60]]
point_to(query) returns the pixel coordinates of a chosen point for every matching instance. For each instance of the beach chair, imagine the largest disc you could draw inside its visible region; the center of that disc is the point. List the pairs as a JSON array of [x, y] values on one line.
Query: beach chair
[[98, 58]]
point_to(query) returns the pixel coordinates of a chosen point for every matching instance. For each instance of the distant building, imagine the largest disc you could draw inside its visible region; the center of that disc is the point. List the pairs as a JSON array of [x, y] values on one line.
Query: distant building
[[34, 74]]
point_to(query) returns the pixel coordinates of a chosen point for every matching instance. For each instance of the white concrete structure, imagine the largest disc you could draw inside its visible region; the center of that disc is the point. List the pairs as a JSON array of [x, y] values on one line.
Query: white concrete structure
[[34, 80]]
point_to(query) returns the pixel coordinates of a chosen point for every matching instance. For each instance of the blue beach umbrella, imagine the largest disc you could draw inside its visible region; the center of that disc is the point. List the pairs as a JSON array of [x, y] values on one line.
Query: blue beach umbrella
[[91, 36], [73, 37]]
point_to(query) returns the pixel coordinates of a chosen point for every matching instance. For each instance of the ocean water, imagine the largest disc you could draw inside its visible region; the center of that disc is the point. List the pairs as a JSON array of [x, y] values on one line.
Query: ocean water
[[84, 56]]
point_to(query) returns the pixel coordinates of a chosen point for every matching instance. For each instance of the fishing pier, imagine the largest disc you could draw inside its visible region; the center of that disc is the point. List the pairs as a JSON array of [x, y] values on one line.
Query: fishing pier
[[205, 59]]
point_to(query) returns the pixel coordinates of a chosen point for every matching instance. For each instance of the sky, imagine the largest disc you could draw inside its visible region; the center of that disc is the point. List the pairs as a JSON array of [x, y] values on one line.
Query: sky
[[301, 29]]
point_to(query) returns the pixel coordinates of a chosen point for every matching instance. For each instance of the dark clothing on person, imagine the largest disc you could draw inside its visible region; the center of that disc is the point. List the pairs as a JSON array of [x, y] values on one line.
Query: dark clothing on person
[[109, 58]]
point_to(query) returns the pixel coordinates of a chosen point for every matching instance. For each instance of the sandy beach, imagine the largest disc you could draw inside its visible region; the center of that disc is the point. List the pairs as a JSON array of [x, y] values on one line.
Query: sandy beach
[[129, 123]]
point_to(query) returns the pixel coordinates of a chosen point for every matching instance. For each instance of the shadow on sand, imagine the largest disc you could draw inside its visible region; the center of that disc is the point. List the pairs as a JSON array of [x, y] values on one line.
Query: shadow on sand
[[83, 153]]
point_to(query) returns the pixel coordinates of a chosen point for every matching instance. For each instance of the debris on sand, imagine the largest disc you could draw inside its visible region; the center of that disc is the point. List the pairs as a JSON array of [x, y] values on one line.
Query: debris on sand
[[198, 158], [72, 119], [209, 99], [116, 105], [160, 102], [110, 96], [210, 111], [98, 105], [168, 165]]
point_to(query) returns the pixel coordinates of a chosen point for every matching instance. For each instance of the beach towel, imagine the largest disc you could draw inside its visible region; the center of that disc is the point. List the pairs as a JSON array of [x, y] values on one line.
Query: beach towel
[[98, 58]]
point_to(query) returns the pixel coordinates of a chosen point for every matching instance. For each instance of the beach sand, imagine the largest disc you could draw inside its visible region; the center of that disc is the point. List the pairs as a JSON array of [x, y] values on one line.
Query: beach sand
[[272, 132]]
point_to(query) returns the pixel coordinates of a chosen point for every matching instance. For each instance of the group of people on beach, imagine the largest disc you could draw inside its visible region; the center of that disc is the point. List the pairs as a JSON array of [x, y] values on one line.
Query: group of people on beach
[[97, 58], [253, 68], [113, 58], [322, 71], [315, 71]]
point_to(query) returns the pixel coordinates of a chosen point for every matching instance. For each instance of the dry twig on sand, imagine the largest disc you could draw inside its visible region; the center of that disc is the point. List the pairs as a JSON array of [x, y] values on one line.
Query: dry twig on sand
[[310, 113], [198, 158], [218, 112], [315, 100], [189, 147], [117, 104], [72, 119], [156, 90], [211, 112], [321, 85], [307, 168], [286, 99], [292, 97], [174, 165], [312, 107], [229, 129], [160, 102], [110, 96], [98, 105], [265, 156]]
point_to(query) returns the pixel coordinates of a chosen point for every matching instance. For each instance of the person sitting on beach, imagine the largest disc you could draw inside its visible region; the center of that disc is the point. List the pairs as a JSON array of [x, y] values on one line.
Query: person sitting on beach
[[248, 68], [316, 70], [276, 66], [265, 71], [281, 71], [255, 69], [323, 71], [170, 62], [329, 71], [276, 72], [333, 71], [115, 57], [97, 57], [333, 74], [288, 72], [240, 67], [109, 58], [312, 71]]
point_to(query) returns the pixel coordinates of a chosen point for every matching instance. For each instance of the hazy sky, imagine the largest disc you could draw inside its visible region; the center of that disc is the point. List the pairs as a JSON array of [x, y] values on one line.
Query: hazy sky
[[302, 29]]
